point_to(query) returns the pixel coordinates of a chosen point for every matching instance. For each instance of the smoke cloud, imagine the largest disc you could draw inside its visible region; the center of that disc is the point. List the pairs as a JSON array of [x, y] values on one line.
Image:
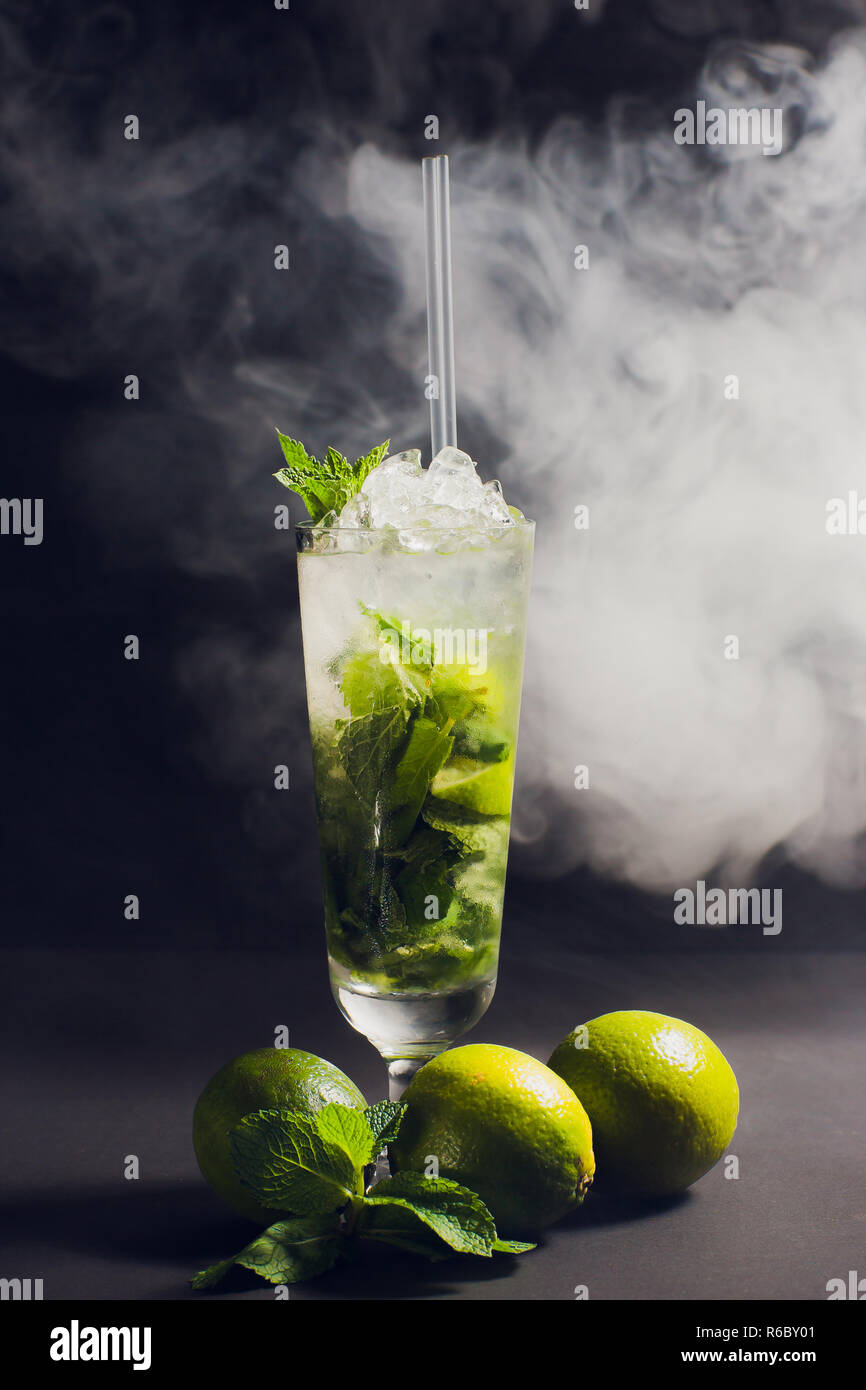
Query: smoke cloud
[[606, 388]]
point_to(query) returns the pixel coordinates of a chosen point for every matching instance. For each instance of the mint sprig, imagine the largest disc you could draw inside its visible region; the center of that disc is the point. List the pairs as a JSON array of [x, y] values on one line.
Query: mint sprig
[[325, 485], [286, 1253], [311, 1167]]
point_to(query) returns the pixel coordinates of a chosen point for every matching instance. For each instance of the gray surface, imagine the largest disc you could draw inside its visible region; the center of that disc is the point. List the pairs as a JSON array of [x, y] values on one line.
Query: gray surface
[[106, 1053]]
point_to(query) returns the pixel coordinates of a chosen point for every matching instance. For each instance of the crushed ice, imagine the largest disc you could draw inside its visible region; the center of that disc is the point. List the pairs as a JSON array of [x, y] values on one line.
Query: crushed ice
[[449, 495]]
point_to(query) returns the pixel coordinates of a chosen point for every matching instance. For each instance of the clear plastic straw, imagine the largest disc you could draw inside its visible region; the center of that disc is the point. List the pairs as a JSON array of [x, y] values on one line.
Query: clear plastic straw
[[440, 313]]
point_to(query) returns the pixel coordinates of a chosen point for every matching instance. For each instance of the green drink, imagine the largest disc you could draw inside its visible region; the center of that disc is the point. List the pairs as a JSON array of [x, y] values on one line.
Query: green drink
[[413, 645]]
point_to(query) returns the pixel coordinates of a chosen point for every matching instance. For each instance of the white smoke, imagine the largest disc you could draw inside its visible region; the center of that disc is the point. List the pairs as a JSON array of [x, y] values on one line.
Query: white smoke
[[606, 387]]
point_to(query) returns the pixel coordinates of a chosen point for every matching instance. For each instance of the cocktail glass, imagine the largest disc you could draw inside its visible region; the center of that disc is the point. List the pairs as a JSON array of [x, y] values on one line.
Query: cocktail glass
[[413, 652]]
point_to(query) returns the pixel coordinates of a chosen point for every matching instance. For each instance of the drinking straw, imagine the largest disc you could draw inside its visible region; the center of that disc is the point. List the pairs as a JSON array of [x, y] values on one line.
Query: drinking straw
[[440, 311]]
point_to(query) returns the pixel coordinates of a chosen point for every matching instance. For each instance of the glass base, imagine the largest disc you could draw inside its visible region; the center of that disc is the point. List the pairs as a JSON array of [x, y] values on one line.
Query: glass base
[[408, 1029]]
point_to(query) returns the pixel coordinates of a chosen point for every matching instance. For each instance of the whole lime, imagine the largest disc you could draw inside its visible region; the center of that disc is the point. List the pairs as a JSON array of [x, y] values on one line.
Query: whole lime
[[501, 1123], [270, 1078], [662, 1098]]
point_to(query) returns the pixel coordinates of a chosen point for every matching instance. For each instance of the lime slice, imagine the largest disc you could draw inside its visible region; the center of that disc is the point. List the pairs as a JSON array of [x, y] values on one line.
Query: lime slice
[[455, 686], [484, 787]]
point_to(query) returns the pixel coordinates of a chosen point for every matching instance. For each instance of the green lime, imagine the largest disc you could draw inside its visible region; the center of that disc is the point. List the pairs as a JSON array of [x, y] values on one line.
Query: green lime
[[485, 788], [270, 1078], [501, 1123], [662, 1098]]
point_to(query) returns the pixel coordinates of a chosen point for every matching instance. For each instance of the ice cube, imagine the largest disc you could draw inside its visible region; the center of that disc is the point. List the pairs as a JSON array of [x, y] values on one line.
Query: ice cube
[[408, 462], [452, 480], [451, 463], [397, 466], [391, 506], [357, 511], [442, 517], [395, 488], [493, 506]]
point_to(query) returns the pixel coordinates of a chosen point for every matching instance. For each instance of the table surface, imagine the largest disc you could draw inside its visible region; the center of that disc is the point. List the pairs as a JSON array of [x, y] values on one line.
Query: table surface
[[107, 1051]]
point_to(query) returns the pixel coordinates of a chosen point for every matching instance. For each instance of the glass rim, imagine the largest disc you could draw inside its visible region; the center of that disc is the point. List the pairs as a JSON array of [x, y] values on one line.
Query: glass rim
[[308, 527]]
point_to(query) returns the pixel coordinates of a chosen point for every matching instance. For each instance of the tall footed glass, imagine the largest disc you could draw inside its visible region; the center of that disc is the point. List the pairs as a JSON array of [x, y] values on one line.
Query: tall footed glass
[[413, 651]]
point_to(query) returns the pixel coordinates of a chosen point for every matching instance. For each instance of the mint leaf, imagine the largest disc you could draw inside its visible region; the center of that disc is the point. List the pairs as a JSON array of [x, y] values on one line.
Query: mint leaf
[[417, 653], [325, 485], [348, 1128], [427, 748], [390, 629], [367, 747], [453, 1213], [512, 1247], [452, 697], [388, 700], [290, 1251], [285, 1253], [374, 917], [314, 483], [384, 1119], [422, 880], [336, 465], [207, 1278], [425, 847], [427, 865], [398, 1226], [370, 684], [286, 1163], [477, 832]]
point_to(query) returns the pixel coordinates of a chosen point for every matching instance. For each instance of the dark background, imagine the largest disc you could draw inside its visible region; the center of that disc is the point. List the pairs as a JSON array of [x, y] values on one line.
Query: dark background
[[155, 777]]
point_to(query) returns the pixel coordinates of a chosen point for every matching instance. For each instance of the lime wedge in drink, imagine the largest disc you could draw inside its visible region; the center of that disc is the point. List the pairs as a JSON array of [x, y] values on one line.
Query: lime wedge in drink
[[485, 788]]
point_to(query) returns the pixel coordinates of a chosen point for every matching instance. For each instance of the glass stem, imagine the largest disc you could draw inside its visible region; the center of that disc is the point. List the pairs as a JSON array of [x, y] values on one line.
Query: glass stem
[[400, 1073]]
